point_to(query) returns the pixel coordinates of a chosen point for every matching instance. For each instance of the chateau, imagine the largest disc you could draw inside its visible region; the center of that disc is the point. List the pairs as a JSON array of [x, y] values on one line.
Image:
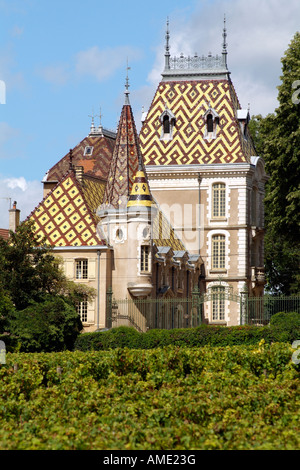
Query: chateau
[[174, 210]]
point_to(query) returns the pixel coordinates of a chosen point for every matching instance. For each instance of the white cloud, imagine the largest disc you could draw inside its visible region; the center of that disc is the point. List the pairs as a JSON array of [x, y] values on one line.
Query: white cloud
[[94, 62], [258, 34], [102, 63], [28, 195], [14, 183]]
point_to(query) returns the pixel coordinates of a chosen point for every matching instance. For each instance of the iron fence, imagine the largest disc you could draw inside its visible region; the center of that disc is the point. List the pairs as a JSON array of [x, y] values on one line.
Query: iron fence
[[259, 310], [170, 313]]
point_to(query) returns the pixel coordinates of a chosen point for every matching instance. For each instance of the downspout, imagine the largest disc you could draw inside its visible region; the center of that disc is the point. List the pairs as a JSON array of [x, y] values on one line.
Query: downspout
[[199, 209], [98, 290]]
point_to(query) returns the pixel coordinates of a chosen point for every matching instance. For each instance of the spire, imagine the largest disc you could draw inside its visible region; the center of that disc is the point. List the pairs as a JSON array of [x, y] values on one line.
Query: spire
[[224, 51], [167, 48], [124, 163], [127, 85]]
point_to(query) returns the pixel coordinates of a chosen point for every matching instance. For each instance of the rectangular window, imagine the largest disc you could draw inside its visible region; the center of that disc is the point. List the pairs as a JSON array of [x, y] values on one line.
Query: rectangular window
[[219, 200], [218, 252], [218, 303], [81, 269], [82, 308], [145, 255]]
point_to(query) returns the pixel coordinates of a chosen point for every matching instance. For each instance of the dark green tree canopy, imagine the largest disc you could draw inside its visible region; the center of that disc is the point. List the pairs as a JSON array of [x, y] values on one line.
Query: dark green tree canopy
[[37, 301], [277, 139]]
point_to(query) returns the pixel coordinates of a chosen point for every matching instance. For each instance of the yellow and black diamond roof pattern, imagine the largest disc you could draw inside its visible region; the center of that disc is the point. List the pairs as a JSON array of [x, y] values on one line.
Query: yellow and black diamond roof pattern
[[188, 101], [65, 217], [163, 233]]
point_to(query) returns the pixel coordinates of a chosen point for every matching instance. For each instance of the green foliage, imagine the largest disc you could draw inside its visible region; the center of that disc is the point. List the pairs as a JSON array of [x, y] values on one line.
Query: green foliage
[[186, 337], [170, 398], [6, 310], [288, 323], [277, 139], [52, 325], [37, 301]]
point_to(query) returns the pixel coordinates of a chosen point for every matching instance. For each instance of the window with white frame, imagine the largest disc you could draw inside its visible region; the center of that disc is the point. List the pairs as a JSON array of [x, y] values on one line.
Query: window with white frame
[[82, 309], [219, 200], [218, 252], [218, 303], [81, 269], [145, 258]]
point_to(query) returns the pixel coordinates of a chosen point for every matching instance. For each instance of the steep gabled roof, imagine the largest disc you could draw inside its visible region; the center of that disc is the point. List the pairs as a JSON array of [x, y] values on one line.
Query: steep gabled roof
[[191, 86], [189, 101], [66, 216], [96, 163]]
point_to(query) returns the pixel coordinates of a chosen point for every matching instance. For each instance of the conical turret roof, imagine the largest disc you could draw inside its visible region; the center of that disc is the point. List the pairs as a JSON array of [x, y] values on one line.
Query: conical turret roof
[[140, 194], [125, 161]]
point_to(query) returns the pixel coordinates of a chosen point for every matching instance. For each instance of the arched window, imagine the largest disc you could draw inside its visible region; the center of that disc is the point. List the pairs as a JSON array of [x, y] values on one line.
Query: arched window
[[218, 252], [218, 303], [211, 119], [218, 200], [167, 120]]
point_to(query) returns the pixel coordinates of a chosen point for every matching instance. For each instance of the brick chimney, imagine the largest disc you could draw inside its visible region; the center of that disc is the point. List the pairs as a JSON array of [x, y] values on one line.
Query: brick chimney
[[14, 217]]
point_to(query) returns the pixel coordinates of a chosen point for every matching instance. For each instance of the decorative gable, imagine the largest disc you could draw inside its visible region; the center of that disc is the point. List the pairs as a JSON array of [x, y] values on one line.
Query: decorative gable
[[64, 216]]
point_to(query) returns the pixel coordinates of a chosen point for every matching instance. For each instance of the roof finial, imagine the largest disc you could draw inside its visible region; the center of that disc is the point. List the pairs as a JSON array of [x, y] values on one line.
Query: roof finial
[[167, 48], [92, 131], [127, 85], [224, 52], [100, 128]]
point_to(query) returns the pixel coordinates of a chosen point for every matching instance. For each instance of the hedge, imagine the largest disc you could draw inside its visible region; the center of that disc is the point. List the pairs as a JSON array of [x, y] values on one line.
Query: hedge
[[284, 327]]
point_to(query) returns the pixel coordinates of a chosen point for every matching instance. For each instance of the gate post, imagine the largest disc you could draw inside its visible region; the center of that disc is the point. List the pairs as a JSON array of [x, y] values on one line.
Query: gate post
[[244, 305], [196, 305], [109, 294]]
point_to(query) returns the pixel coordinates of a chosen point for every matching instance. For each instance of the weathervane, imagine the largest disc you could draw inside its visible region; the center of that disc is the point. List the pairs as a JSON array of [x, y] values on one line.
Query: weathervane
[[127, 84], [93, 123]]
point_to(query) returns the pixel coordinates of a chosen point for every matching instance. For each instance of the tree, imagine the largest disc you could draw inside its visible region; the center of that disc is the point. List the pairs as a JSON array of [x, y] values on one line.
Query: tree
[[31, 272], [52, 325], [37, 301], [277, 139]]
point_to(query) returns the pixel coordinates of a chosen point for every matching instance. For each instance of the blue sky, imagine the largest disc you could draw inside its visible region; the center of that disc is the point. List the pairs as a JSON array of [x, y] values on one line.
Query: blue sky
[[63, 60]]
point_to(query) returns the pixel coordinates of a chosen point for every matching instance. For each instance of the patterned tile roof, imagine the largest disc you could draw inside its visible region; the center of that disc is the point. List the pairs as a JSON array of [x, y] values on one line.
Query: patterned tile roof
[[140, 195], [163, 233], [4, 233], [125, 161], [188, 101], [66, 216], [96, 163]]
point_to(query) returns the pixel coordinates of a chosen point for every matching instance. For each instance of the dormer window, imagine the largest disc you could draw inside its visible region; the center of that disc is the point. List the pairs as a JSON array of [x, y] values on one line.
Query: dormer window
[[211, 119], [167, 120], [88, 150], [243, 118]]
